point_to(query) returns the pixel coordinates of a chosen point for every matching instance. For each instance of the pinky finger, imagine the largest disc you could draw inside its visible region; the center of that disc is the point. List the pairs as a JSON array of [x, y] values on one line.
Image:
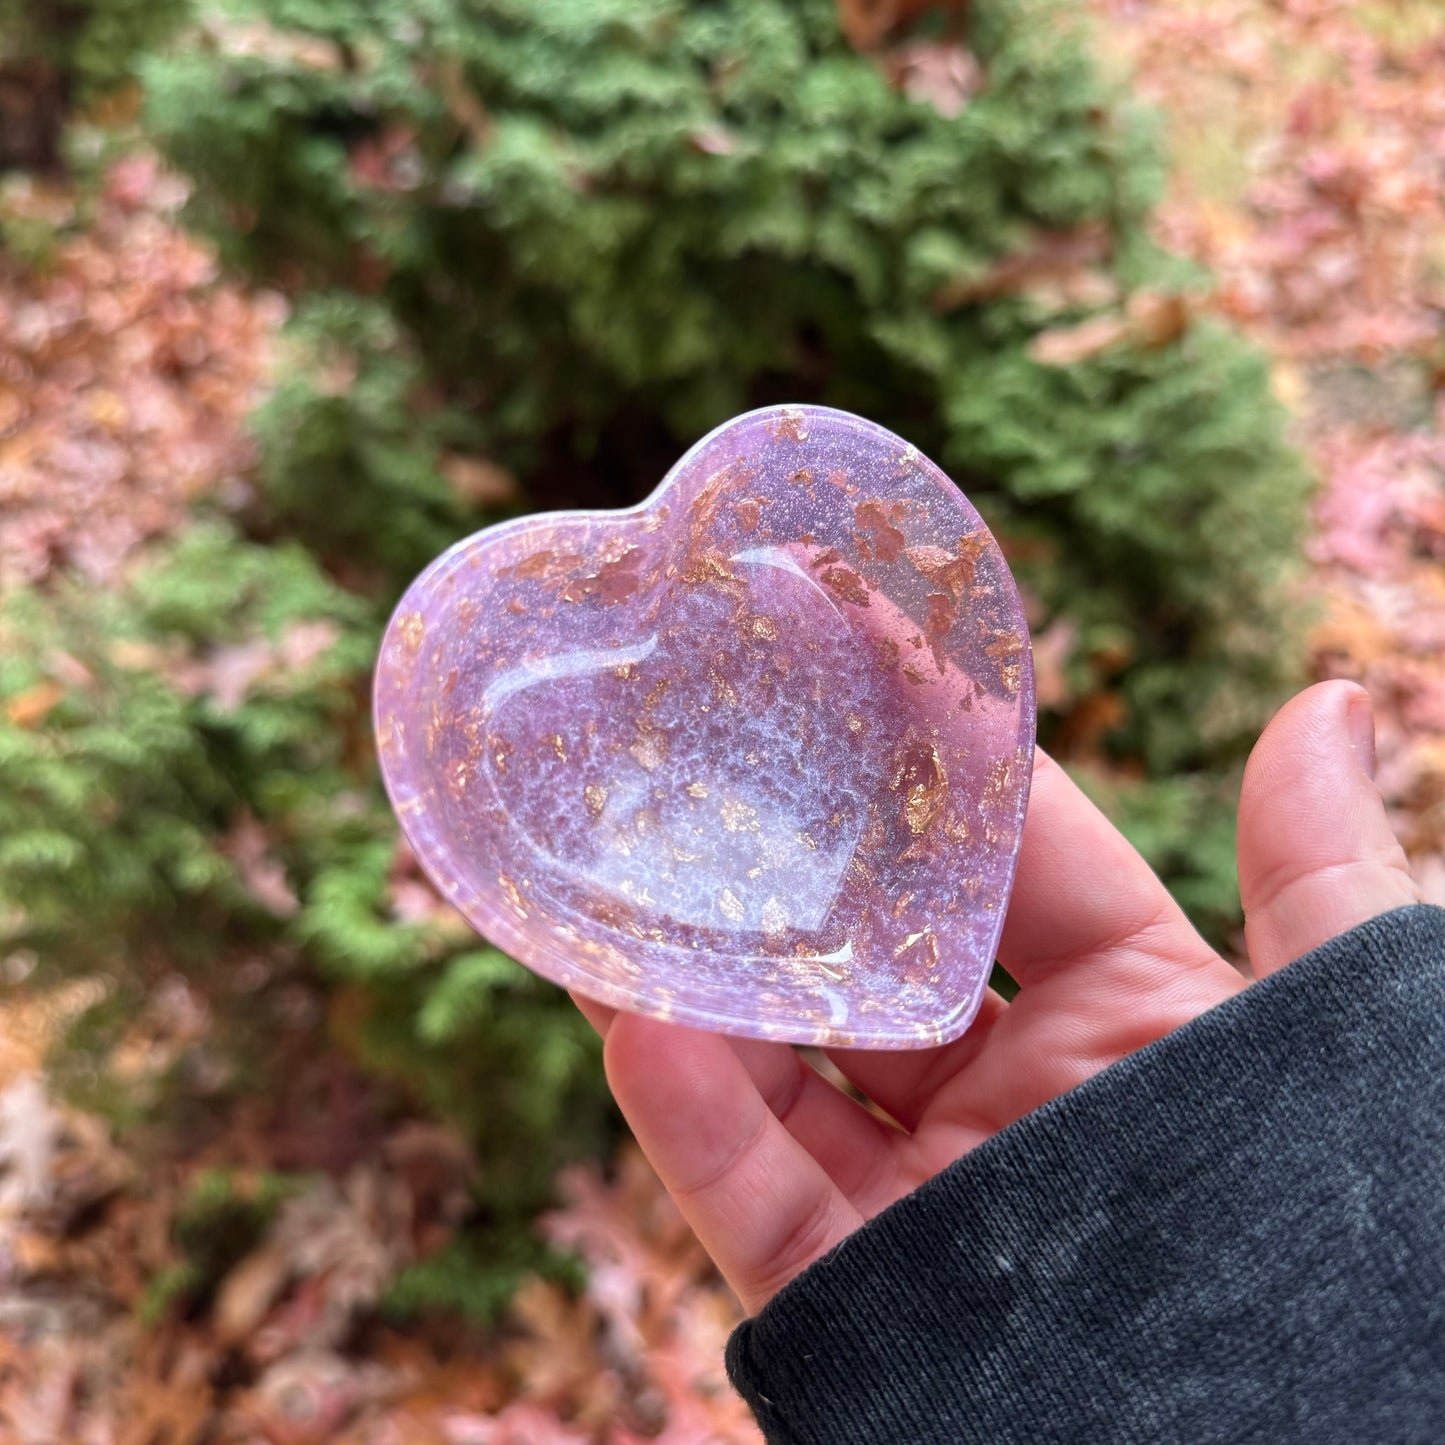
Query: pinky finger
[[599, 1015]]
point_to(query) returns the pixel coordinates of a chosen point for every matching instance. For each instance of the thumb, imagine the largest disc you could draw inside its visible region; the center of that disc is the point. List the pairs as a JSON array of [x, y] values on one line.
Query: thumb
[[1316, 853]]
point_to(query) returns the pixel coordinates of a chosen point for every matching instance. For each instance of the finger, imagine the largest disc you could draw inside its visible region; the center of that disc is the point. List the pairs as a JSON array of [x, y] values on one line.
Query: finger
[[1091, 932], [599, 1015], [1083, 895], [1316, 853], [762, 1206], [856, 1149], [901, 1081]]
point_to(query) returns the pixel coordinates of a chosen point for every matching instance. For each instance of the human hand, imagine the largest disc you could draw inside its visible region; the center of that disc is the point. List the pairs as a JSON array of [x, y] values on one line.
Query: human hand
[[772, 1165]]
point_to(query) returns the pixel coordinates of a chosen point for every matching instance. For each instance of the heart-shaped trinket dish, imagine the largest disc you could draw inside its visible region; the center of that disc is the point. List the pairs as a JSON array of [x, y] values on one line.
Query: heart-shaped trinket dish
[[752, 755]]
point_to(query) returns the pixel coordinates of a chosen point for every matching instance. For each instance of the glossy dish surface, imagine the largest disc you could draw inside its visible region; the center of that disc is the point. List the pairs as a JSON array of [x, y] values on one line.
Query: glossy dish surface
[[753, 755]]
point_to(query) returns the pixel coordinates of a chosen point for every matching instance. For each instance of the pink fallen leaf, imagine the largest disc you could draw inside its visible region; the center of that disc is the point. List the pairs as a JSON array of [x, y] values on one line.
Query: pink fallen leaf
[[30, 1132], [521, 1423], [262, 874], [945, 76]]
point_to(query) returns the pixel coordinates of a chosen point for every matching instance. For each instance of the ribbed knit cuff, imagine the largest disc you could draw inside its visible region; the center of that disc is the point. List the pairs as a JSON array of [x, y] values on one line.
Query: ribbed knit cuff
[[1237, 1233]]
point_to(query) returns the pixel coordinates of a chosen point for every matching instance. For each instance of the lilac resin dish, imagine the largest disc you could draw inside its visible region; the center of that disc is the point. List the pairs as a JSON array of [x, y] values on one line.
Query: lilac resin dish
[[752, 755]]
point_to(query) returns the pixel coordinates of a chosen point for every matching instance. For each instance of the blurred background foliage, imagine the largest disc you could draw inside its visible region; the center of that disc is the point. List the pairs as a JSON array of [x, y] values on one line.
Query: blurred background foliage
[[530, 253], [551, 247], [526, 254]]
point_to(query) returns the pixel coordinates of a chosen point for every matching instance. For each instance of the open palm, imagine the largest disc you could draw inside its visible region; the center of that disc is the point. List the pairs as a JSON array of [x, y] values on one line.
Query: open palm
[[773, 1165]]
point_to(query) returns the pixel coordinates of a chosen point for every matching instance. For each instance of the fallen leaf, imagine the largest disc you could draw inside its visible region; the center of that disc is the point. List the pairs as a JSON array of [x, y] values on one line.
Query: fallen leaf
[[1069, 345], [248, 846], [866, 23], [1151, 319], [521, 1423], [1157, 318], [30, 1130], [248, 1292], [307, 1398], [170, 1401], [481, 483], [30, 708], [945, 76], [1053, 257]]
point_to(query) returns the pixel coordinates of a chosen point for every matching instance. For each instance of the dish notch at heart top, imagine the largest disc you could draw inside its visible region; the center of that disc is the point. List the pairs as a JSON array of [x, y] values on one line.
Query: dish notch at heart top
[[753, 755]]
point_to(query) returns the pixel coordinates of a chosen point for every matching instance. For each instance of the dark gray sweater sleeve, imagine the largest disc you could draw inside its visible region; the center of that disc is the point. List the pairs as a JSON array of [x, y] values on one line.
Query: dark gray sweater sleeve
[[1236, 1234]]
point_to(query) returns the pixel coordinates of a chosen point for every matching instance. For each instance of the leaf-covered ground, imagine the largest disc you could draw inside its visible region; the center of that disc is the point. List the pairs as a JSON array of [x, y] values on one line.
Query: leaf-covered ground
[[1309, 138], [237, 1293], [125, 371], [1309, 146]]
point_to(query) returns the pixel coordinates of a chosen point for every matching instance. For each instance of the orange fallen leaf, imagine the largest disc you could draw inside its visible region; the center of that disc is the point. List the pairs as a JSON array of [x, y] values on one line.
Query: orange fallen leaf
[[1069, 345], [479, 482], [172, 1402], [1158, 317], [30, 708]]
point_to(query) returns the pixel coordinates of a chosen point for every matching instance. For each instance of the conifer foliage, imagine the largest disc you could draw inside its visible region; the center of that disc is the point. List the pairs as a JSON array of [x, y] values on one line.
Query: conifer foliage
[[561, 242], [531, 252], [55, 57]]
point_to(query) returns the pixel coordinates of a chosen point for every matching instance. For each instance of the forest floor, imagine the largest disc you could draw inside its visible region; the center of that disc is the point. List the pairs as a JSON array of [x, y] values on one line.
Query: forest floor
[[1308, 148], [1308, 139]]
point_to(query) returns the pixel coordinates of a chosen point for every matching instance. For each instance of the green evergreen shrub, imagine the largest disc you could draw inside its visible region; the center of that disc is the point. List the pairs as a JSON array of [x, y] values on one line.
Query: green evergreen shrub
[[94, 44], [474, 1277], [57, 56], [596, 228], [350, 447], [182, 700], [149, 735], [563, 240]]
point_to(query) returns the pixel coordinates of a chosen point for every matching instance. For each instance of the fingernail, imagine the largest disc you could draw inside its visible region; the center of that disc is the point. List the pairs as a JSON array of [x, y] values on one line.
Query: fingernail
[[1360, 720]]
